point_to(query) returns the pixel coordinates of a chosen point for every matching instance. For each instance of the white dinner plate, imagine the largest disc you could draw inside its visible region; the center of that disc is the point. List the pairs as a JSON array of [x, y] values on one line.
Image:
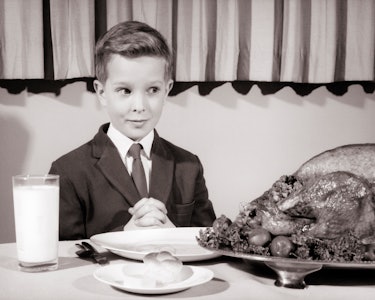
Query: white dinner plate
[[127, 277], [135, 244]]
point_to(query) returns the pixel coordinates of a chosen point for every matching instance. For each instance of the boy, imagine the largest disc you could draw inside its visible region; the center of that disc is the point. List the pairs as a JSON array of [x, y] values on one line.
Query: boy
[[102, 185]]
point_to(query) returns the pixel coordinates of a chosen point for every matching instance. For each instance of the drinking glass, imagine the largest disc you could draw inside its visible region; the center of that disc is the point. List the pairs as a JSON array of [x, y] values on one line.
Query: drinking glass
[[36, 213]]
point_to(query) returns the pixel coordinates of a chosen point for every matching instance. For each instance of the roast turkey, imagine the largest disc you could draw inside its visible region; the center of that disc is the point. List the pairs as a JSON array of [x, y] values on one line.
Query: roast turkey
[[335, 195]]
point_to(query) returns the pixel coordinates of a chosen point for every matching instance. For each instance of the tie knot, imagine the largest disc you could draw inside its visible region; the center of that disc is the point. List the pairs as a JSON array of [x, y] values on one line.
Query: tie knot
[[135, 151]]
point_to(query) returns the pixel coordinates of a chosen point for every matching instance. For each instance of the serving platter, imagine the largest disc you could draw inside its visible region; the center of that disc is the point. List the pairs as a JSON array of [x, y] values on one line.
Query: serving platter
[[135, 244], [291, 272]]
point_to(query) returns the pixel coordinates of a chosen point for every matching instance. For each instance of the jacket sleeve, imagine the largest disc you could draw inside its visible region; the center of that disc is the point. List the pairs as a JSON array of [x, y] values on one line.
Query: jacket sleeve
[[72, 210], [203, 213]]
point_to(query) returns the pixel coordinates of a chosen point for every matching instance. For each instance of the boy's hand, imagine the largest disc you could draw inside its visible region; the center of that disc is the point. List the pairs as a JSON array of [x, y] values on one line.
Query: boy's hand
[[148, 212]]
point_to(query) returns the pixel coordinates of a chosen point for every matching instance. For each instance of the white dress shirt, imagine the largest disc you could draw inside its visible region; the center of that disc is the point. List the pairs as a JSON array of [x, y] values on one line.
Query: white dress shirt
[[123, 143]]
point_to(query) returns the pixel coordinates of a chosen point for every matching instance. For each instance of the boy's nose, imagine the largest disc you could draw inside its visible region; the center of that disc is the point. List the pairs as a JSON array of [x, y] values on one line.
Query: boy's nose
[[138, 102]]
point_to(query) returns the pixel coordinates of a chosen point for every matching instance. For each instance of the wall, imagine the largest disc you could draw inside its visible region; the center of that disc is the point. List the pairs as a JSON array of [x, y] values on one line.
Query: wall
[[245, 142]]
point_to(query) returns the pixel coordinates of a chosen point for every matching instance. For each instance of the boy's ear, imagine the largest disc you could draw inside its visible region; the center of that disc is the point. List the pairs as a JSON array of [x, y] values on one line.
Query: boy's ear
[[99, 89], [169, 85]]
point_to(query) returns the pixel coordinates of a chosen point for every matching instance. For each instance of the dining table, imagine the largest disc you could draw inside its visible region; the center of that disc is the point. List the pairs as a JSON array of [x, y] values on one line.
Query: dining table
[[234, 278]]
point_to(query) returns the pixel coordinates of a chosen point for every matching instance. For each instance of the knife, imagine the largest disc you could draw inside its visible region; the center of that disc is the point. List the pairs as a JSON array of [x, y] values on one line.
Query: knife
[[95, 255]]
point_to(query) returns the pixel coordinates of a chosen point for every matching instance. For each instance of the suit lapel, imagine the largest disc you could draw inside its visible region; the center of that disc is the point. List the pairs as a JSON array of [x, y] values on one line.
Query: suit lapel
[[112, 167], [162, 170]]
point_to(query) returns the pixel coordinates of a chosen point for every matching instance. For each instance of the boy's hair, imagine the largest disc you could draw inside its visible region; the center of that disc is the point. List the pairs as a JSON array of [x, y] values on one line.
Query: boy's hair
[[131, 39]]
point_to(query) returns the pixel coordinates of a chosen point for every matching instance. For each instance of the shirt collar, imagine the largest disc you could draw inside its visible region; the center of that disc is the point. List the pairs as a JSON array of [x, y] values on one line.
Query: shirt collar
[[123, 143]]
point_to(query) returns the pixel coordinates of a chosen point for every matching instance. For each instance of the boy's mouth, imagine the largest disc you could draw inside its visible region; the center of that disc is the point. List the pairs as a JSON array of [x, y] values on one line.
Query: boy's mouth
[[138, 122]]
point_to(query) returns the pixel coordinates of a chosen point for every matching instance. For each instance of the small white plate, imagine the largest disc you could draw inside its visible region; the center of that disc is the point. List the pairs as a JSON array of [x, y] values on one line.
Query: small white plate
[[135, 244], [127, 277]]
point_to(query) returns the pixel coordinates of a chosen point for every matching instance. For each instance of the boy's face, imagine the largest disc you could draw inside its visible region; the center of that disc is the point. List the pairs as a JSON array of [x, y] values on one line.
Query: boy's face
[[134, 93]]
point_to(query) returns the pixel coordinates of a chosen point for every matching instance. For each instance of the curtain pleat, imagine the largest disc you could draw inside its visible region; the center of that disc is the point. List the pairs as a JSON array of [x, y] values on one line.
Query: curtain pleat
[[73, 38], [278, 40], [341, 26], [21, 39], [118, 11], [261, 38], [192, 46], [245, 35], [156, 13], [301, 41], [100, 18], [227, 40], [47, 42], [295, 36], [322, 43], [360, 39]]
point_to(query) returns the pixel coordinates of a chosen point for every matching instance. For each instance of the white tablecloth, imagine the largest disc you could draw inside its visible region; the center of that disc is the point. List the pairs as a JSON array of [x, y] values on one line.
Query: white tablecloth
[[234, 279]]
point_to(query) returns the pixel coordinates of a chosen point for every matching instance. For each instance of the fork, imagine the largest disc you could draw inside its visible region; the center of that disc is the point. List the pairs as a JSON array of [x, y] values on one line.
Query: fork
[[88, 251]]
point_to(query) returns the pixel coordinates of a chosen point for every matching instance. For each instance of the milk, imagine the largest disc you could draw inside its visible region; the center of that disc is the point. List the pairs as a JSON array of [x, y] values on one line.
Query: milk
[[36, 211]]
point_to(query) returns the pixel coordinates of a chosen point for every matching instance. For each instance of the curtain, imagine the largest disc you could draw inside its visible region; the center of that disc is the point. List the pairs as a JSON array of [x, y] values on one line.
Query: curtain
[[276, 41], [21, 39]]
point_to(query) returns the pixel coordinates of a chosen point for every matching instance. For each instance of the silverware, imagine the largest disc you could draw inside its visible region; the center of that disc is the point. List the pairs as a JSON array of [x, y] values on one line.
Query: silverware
[[83, 252], [88, 251]]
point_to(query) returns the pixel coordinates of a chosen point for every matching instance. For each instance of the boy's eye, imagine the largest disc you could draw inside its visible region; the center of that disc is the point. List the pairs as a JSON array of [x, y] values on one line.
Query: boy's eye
[[124, 91], [153, 90]]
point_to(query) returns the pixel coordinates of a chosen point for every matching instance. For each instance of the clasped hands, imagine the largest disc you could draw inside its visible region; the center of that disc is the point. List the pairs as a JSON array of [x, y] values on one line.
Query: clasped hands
[[148, 213]]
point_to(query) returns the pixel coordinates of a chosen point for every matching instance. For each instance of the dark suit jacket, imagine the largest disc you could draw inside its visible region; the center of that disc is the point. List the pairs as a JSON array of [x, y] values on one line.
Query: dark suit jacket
[[96, 190]]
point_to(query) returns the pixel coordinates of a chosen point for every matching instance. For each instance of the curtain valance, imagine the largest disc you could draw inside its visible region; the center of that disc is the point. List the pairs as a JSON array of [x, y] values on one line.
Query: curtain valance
[[283, 41]]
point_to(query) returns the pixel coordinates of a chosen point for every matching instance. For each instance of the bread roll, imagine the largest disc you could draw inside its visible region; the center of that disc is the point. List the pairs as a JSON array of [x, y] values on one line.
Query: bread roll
[[161, 267]]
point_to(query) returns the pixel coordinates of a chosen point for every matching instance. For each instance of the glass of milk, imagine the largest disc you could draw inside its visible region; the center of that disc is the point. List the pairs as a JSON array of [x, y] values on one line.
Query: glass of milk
[[36, 213]]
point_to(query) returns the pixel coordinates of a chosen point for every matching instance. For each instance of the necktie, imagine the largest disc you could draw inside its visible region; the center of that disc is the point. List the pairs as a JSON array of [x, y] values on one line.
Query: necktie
[[138, 173]]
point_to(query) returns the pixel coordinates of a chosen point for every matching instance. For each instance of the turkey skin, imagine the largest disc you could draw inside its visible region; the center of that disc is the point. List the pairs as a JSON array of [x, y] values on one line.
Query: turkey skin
[[336, 196]]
